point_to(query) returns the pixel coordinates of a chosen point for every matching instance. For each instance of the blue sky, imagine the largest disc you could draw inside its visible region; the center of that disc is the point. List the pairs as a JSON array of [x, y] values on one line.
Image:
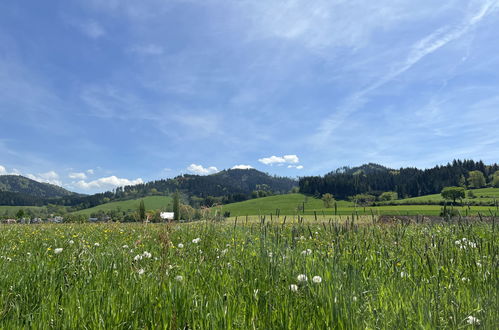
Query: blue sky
[[100, 93]]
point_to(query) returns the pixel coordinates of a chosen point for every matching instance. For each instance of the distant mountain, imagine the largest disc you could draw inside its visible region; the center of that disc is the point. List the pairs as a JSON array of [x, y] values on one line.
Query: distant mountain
[[21, 185]]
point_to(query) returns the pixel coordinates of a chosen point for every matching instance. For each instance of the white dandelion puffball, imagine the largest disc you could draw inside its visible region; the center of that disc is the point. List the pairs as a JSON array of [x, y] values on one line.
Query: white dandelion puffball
[[96, 244], [179, 278], [58, 250], [472, 320], [403, 274], [71, 242], [196, 240], [317, 279], [147, 255], [180, 245], [293, 287], [302, 278], [141, 271], [125, 246], [137, 257], [306, 252]]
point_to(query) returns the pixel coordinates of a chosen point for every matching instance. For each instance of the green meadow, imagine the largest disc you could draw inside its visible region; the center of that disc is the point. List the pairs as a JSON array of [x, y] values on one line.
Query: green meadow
[[256, 276], [150, 202], [290, 205]]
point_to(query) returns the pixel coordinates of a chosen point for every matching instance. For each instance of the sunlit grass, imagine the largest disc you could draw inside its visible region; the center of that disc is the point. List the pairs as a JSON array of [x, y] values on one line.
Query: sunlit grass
[[247, 275]]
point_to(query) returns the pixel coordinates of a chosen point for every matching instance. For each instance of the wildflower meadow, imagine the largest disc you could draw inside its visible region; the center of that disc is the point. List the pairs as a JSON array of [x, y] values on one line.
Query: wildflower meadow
[[226, 275]]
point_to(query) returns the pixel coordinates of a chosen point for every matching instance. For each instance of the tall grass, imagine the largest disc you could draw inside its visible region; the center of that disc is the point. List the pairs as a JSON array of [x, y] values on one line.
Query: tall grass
[[238, 276]]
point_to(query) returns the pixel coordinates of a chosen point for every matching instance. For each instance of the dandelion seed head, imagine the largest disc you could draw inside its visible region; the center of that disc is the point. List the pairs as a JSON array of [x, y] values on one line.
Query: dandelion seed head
[[179, 278], [472, 320], [141, 271], [58, 250], [293, 287], [317, 279], [302, 278], [196, 240], [180, 245]]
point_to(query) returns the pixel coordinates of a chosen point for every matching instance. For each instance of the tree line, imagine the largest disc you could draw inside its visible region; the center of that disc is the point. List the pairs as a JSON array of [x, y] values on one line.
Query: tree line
[[375, 179]]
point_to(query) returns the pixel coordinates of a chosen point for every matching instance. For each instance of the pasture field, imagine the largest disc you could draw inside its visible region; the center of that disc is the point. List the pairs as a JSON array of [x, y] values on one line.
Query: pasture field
[[488, 195], [288, 205], [6, 210], [231, 275], [150, 203]]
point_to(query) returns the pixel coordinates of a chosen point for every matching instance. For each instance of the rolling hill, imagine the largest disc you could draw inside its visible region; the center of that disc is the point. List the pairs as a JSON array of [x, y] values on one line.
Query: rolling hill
[[22, 185]]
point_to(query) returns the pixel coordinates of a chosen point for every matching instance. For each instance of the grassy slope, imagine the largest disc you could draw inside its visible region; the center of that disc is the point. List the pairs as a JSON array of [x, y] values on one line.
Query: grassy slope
[[12, 210], [287, 204], [150, 202], [484, 194]]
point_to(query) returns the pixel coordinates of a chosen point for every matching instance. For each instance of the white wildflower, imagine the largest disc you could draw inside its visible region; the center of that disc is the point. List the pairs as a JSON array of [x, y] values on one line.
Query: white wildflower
[[147, 255], [196, 240], [125, 246], [179, 278], [472, 320], [9, 259], [306, 252], [141, 271], [317, 279], [58, 250], [302, 278], [403, 274], [137, 257], [28, 254], [293, 287], [96, 244], [71, 242], [354, 298], [465, 279], [180, 245]]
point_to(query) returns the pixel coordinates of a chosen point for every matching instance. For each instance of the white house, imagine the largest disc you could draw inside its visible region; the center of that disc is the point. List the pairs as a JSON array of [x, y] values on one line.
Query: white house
[[167, 215]]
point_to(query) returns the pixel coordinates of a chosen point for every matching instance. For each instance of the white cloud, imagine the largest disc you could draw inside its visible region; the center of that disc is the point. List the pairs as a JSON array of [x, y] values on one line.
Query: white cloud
[[3, 171], [298, 167], [48, 177], [77, 175], [107, 183], [199, 169], [90, 171], [286, 159], [241, 167]]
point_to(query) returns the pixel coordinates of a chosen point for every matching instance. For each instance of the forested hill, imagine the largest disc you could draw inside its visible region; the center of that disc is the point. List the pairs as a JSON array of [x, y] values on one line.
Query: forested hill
[[223, 187], [232, 185], [23, 186], [407, 182]]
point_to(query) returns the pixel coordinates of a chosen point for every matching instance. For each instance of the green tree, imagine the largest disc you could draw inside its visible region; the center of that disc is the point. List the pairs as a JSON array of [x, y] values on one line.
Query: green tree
[[476, 179], [328, 200], [20, 214], [495, 180], [142, 210], [363, 199], [388, 196], [453, 193], [176, 206]]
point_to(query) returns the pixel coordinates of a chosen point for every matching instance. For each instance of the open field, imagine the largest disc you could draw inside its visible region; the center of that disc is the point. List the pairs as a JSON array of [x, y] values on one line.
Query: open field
[[150, 203], [248, 276], [287, 205], [481, 195], [12, 210]]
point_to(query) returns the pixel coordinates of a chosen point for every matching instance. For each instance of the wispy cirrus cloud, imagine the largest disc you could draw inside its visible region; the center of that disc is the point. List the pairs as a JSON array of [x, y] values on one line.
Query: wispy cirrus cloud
[[418, 52]]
